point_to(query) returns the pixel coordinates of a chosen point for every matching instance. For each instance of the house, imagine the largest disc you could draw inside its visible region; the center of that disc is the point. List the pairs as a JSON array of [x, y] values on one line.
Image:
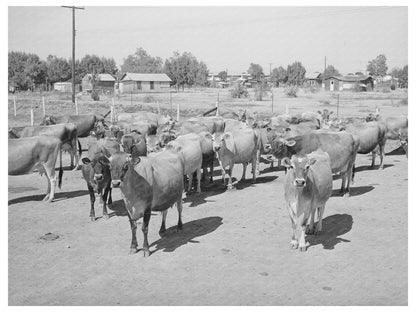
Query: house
[[135, 83], [63, 86], [105, 82], [349, 82], [313, 79]]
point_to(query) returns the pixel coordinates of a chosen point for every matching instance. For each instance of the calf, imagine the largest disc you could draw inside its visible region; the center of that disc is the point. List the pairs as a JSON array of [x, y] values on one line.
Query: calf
[[307, 187], [41, 152], [148, 184], [134, 143]]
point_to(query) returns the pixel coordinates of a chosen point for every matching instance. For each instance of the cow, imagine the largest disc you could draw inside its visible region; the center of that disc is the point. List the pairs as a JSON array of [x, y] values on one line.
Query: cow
[[214, 124], [403, 137], [67, 133], [96, 173], [148, 184], [307, 188], [371, 135], [341, 146], [238, 146], [139, 116], [208, 155], [27, 154], [85, 123], [134, 143], [190, 147], [232, 123], [15, 132]]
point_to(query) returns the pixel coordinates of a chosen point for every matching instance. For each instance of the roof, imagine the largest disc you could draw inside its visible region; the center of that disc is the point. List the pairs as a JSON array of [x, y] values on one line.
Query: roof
[[102, 77], [145, 77], [314, 75], [351, 78]]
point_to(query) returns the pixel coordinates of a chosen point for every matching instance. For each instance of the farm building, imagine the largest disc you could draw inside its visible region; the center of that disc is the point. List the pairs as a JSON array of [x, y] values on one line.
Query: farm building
[[63, 86], [135, 83], [349, 82], [105, 82], [313, 79]]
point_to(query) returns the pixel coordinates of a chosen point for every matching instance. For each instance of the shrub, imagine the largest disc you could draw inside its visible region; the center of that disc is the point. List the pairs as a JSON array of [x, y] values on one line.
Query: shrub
[[393, 87], [238, 91], [291, 91], [403, 102], [95, 96], [312, 88], [148, 99]]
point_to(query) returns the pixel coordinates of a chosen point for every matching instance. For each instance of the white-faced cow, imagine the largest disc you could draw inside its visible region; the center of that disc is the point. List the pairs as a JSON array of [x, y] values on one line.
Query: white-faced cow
[[37, 152], [148, 184], [341, 146], [307, 187]]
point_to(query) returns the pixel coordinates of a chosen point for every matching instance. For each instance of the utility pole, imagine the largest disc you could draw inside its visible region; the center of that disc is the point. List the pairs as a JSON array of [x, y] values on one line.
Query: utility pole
[[73, 48], [270, 69], [325, 64]]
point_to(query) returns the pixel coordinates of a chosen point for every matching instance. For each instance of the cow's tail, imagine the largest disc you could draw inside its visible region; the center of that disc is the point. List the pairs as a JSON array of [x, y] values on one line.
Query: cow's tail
[[61, 171], [79, 149]]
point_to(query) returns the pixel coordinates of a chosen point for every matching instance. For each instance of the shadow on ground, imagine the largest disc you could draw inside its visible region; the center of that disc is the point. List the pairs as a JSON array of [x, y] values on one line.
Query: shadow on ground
[[58, 196], [332, 227], [354, 191], [173, 239]]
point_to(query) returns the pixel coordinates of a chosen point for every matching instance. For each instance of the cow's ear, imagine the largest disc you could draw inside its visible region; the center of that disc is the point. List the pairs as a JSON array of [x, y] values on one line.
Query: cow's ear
[[288, 129], [208, 136], [312, 161], [331, 112], [229, 142], [319, 112], [268, 129], [290, 142], [286, 162], [86, 161], [135, 160]]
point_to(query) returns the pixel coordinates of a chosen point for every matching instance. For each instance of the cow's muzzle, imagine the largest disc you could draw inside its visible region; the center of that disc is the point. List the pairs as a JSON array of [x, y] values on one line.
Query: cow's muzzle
[[300, 182], [98, 177], [115, 183]]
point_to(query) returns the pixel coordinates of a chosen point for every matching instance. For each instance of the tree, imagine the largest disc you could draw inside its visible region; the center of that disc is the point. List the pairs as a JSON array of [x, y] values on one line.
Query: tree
[[256, 71], [295, 73], [142, 62], [278, 75], [403, 77], [185, 69], [329, 71], [223, 75], [26, 70], [58, 69], [378, 67], [109, 65]]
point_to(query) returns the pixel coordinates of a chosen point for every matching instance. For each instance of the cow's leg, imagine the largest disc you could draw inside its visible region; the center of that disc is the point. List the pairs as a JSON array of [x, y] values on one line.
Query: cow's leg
[[198, 180], [179, 207], [258, 162], [145, 230], [110, 199], [243, 177], [104, 199], [50, 175], [311, 222], [342, 190], [190, 180], [293, 242], [382, 154], [302, 240], [77, 156], [92, 200], [318, 228], [211, 171], [133, 227], [163, 225], [230, 177], [48, 190], [254, 167], [373, 158]]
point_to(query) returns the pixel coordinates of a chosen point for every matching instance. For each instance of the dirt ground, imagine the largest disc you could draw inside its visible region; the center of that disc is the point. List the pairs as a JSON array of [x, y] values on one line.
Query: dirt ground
[[234, 249]]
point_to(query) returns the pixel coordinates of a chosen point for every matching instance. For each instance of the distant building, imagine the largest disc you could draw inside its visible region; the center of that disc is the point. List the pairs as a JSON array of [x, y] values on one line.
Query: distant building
[[136, 83], [63, 86], [349, 82], [313, 79], [105, 82]]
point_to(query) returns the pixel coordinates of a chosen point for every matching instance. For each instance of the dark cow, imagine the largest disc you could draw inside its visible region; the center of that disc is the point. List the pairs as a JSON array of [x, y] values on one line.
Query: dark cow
[[135, 144], [67, 133], [84, 123], [341, 146], [37, 152], [148, 184]]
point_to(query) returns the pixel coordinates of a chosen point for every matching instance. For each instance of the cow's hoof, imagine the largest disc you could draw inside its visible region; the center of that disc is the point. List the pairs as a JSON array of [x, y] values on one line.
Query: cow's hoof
[[92, 218], [146, 253], [46, 197], [380, 168], [317, 232], [106, 217], [179, 227], [133, 251], [294, 244], [310, 230], [346, 195], [162, 233], [302, 248]]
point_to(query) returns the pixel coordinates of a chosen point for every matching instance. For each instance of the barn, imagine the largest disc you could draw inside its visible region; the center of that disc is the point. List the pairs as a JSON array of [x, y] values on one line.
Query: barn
[[136, 83], [349, 82], [105, 83], [313, 79], [63, 86]]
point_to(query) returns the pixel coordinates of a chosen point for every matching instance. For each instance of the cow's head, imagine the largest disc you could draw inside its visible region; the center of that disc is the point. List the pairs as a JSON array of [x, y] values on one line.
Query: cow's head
[[100, 169], [48, 120], [279, 146], [223, 141], [120, 164], [298, 166]]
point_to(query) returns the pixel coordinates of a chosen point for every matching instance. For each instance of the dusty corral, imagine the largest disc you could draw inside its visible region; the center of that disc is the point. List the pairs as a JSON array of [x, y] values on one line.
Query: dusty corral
[[234, 248]]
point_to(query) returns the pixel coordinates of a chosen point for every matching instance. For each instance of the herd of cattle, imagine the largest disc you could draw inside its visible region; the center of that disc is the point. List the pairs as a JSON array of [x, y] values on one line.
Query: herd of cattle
[[151, 158]]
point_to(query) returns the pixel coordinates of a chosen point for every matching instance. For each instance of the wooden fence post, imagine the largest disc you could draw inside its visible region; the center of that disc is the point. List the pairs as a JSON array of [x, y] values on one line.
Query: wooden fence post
[[43, 105], [177, 111], [272, 99], [158, 107], [14, 105], [76, 106], [338, 106], [32, 117]]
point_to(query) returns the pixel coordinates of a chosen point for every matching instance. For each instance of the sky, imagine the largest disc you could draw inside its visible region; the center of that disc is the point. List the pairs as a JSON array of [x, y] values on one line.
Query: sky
[[225, 38]]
